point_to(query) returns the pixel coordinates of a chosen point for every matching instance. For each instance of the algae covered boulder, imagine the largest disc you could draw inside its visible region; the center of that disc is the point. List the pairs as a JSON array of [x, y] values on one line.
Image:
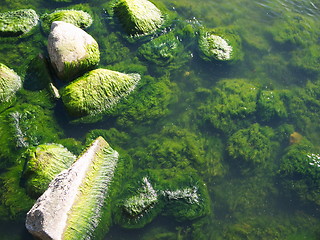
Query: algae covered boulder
[[15, 23], [10, 83], [78, 18], [162, 50], [97, 91], [43, 164], [77, 201], [219, 44], [138, 17], [72, 51]]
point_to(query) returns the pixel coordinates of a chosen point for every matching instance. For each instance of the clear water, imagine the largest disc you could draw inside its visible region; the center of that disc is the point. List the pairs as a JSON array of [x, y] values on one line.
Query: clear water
[[253, 205]]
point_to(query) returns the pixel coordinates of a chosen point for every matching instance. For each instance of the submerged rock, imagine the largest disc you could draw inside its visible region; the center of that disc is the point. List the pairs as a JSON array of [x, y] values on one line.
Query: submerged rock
[[72, 51], [219, 44], [97, 91], [18, 22], [44, 163], [78, 18], [74, 203], [10, 83], [138, 17]]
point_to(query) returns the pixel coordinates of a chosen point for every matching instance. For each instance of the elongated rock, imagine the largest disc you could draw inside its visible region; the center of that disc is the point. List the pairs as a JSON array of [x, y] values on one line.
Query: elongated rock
[[138, 17], [72, 51], [97, 91], [15, 23], [10, 83], [71, 208]]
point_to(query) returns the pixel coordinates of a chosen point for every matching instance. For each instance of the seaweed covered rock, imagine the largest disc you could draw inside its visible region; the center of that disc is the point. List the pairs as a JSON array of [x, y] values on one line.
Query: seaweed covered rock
[[138, 17], [270, 106], [300, 171], [219, 44], [72, 51], [232, 104], [252, 146], [179, 194], [10, 83], [162, 50], [97, 91], [76, 200], [18, 22], [78, 18], [43, 164]]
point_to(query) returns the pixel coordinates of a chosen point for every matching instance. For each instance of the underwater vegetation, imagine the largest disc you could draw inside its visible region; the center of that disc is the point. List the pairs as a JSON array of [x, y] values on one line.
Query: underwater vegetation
[[10, 83]]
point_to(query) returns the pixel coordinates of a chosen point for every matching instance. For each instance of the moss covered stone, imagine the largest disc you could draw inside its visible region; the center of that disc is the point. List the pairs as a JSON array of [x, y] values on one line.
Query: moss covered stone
[[97, 91], [17, 22], [78, 199], [78, 18], [43, 164], [72, 51], [219, 44], [138, 17], [162, 50], [10, 83]]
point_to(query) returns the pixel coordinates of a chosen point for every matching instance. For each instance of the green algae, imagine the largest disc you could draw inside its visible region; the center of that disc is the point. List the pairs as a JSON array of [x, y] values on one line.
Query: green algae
[[138, 17], [18, 22], [43, 163], [97, 91], [78, 18], [10, 83]]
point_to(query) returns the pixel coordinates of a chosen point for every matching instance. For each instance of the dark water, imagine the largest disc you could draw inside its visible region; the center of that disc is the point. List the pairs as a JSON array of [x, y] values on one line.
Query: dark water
[[281, 46]]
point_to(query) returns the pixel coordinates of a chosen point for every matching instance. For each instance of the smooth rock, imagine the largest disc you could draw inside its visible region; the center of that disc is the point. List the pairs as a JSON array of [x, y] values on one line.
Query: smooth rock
[[72, 51]]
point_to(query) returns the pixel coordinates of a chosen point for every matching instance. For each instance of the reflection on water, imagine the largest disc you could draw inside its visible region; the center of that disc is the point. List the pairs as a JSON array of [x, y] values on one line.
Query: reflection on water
[[188, 117]]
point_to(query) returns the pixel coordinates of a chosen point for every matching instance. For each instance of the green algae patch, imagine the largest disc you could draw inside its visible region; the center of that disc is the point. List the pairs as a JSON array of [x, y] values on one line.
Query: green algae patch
[[232, 104], [138, 17], [78, 18], [220, 44], [18, 22], [162, 50], [10, 83], [43, 163], [97, 91]]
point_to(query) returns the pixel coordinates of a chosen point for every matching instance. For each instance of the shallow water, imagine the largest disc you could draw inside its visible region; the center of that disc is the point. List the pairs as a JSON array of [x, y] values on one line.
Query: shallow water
[[247, 202]]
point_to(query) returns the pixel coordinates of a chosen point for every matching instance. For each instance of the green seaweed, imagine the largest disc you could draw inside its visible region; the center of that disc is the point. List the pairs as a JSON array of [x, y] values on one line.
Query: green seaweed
[[10, 83], [15, 23], [78, 18], [43, 163]]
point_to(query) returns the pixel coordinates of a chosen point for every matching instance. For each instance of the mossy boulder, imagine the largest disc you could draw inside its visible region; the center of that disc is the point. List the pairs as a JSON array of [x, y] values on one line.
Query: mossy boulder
[[10, 83], [138, 17], [251, 146], [232, 104], [43, 164], [219, 44], [300, 171], [78, 18], [77, 203], [162, 50], [72, 51], [97, 91], [270, 106], [15, 23]]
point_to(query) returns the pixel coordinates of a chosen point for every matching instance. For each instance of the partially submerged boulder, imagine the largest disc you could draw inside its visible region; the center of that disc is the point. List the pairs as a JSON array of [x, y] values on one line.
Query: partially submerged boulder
[[75, 202], [97, 91], [78, 18], [43, 164], [138, 17], [15, 23], [219, 44], [10, 83], [72, 51]]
